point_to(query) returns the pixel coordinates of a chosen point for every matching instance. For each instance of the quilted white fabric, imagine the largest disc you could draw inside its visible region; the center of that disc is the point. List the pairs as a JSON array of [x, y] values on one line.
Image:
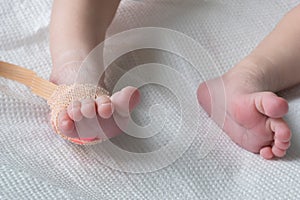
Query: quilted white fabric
[[37, 164]]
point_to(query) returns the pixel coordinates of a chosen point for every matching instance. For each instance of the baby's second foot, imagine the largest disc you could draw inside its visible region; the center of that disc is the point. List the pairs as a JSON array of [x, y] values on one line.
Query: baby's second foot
[[252, 118]]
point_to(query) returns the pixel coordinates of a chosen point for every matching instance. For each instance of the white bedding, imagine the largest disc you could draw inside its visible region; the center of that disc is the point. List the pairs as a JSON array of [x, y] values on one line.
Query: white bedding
[[37, 164]]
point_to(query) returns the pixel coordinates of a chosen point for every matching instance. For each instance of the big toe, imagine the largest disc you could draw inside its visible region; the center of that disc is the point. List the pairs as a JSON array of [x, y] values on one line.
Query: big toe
[[204, 98], [270, 104], [125, 100]]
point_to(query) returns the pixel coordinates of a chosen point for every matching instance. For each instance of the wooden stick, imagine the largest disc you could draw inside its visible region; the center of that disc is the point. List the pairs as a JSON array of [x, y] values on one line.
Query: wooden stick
[[38, 86], [42, 88]]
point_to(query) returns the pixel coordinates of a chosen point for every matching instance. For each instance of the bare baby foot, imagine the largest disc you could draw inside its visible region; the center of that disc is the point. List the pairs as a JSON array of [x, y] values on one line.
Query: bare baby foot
[[252, 117]]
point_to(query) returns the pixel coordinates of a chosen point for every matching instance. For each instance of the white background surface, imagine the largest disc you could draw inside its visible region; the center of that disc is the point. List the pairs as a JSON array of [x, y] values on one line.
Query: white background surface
[[35, 163]]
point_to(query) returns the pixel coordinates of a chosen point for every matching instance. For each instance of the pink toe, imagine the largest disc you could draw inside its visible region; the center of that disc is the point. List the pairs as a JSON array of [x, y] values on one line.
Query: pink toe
[[283, 136], [104, 107], [282, 145], [88, 109], [204, 97], [280, 129], [278, 107], [266, 153], [105, 110], [134, 97], [278, 152], [270, 104], [66, 125], [125, 100], [74, 111]]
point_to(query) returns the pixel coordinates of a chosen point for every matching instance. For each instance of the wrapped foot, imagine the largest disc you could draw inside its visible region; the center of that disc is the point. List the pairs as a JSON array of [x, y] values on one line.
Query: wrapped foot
[[72, 103]]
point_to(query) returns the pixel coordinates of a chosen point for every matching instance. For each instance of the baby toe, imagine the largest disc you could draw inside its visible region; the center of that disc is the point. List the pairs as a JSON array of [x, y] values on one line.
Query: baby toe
[[66, 125], [88, 108], [266, 153], [74, 111], [278, 152], [281, 130], [283, 135], [104, 106], [282, 145]]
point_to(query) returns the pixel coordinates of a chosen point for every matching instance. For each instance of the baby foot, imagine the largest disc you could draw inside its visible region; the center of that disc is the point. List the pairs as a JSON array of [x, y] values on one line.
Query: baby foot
[[105, 108], [121, 103], [252, 118]]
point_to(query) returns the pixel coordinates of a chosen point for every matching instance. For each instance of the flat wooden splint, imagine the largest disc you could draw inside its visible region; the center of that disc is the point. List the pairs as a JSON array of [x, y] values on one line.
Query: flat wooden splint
[[58, 96]]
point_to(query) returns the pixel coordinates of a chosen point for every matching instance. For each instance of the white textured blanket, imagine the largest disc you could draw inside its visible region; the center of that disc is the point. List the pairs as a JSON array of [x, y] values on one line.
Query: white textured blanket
[[37, 164]]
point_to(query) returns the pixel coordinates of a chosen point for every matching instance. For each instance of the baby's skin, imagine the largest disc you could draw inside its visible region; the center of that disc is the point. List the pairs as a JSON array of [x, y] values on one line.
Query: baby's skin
[[253, 112], [76, 28], [253, 117]]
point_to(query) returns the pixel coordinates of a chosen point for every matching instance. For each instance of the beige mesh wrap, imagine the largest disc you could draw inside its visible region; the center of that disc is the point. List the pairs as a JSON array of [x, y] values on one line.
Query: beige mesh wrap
[[64, 95]]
